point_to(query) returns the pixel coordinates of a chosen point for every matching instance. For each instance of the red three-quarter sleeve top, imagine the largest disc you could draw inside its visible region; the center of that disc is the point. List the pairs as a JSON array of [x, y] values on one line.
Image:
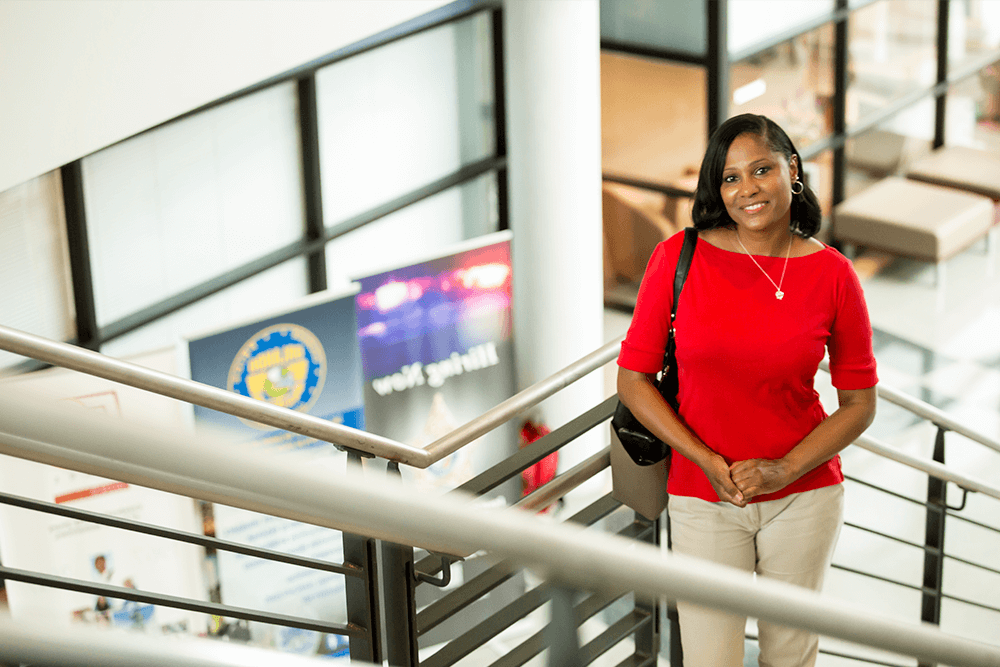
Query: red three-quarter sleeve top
[[746, 360]]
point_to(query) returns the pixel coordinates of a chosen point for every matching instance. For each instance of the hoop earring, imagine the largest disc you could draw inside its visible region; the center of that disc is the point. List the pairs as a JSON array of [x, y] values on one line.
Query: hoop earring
[[802, 187]]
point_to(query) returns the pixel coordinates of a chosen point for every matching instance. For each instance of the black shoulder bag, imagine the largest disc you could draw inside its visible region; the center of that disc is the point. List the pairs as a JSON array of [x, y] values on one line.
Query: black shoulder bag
[[644, 447]]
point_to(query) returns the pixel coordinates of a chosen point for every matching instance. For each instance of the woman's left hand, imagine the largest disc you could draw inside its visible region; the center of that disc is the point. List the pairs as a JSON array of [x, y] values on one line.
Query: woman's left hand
[[756, 477]]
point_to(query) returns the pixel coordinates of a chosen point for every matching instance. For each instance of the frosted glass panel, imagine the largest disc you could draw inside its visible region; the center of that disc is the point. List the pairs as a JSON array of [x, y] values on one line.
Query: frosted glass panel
[[35, 286], [415, 232], [184, 203], [399, 117], [266, 292], [677, 25], [754, 22]]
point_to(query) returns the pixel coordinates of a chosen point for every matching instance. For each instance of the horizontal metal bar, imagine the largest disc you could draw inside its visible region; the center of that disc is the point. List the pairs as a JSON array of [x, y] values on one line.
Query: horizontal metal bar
[[187, 604], [972, 603], [463, 175], [658, 53], [927, 411], [298, 248], [880, 489], [523, 401], [923, 547], [643, 184], [178, 535], [932, 468], [176, 302], [549, 493], [538, 450], [617, 631], [960, 517], [460, 598], [140, 377], [441, 610], [262, 480], [535, 644], [58, 645], [478, 635], [871, 575], [849, 656], [637, 660]]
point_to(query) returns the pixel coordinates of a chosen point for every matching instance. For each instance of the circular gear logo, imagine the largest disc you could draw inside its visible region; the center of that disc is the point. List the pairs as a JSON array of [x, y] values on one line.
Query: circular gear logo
[[283, 365]]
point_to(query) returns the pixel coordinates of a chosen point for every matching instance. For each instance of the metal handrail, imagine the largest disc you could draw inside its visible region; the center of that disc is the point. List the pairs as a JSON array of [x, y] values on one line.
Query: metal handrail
[[85, 361], [928, 412], [215, 469], [63, 646], [549, 493], [522, 401], [197, 393], [109, 368], [932, 468]]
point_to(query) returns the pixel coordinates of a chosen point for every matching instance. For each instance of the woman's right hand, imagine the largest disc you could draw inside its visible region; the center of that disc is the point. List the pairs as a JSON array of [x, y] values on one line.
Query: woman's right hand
[[717, 471]]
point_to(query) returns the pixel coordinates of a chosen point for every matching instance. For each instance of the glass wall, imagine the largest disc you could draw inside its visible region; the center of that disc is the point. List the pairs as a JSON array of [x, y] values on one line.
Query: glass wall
[[973, 31], [397, 118], [891, 53], [792, 83], [183, 205], [36, 293], [174, 207], [665, 24], [755, 23], [972, 111]]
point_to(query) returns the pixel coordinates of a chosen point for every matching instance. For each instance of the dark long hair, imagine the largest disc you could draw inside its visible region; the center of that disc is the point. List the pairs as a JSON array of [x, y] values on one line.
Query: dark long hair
[[709, 210]]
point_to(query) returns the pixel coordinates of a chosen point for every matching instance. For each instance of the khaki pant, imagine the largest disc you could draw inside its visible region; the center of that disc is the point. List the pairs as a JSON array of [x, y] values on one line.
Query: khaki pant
[[790, 539]]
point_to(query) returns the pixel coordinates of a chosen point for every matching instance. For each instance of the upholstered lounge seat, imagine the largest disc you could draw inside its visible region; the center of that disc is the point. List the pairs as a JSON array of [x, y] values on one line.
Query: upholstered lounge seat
[[913, 219], [969, 169]]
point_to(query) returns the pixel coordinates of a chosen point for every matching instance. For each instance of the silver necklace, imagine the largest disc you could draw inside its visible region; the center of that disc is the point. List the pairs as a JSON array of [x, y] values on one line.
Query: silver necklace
[[777, 285]]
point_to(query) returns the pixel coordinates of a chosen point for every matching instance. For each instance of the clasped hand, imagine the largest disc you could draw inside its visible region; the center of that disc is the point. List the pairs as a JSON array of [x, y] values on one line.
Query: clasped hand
[[743, 480]]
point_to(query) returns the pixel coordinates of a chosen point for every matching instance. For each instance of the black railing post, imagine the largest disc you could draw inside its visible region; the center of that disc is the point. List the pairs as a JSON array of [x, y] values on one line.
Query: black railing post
[[937, 496], [647, 638], [362, 594], [398, 590], [940, 98]]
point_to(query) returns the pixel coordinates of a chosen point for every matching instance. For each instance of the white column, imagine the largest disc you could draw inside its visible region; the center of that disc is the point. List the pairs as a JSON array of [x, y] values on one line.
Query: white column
[[552, 56]]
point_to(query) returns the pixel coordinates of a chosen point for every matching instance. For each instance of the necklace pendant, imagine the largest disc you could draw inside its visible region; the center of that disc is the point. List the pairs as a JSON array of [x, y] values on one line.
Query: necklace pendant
[[779, 295]]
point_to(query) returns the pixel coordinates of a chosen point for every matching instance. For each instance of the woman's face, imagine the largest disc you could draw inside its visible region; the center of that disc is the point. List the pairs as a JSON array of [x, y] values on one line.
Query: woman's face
[[756, 184]]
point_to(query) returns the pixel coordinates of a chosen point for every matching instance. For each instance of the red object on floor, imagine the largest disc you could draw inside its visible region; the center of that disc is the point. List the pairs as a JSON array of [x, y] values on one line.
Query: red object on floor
[[545, 470]]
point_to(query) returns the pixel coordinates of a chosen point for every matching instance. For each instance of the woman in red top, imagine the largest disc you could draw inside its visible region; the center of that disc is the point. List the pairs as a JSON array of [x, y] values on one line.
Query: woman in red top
[[755, 479]]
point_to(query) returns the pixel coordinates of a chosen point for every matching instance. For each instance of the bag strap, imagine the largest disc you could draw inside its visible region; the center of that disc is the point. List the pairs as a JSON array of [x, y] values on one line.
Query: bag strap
[[680, 276], [683, 265]]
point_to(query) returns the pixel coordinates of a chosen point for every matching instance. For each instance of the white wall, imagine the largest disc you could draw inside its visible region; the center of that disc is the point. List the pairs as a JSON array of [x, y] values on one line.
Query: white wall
[[79, 75]]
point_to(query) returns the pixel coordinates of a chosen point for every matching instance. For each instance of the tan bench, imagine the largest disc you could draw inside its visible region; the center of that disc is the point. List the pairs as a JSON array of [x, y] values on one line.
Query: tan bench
[[968, 169], [912, 219]]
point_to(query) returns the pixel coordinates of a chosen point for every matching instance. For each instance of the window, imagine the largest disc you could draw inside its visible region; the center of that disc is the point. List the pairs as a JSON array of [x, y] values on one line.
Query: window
[[181, 204]]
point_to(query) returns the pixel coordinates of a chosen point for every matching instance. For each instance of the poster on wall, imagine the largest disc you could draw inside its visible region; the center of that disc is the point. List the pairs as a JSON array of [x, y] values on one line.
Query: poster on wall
[[305, 359], [90, 552], [437, 351]]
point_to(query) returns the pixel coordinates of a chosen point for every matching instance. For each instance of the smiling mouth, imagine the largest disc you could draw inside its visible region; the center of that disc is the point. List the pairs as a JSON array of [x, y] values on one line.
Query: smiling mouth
[[753, 208]]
